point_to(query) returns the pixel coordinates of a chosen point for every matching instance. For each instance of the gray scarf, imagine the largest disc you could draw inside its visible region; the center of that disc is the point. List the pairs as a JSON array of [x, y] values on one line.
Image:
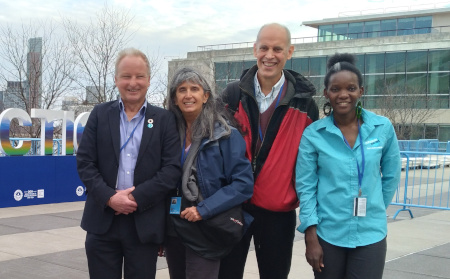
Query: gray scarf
[[189, 185]]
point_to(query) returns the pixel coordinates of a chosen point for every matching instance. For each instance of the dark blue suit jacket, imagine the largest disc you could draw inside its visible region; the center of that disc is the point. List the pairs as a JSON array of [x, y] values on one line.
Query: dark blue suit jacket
[[156, 173]]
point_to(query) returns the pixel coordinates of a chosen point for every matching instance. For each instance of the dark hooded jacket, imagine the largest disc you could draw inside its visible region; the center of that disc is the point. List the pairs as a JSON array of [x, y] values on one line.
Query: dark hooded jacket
[[274, 163]]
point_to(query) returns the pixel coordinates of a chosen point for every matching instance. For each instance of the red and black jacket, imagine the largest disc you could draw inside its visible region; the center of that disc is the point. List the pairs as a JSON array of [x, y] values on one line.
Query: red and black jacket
[[274, 163]]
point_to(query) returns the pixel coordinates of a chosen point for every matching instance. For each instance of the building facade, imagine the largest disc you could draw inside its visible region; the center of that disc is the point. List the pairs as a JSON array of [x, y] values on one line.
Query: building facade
[[403, 56], [12, 95], [93, 94], [27, 93], [34, 72]]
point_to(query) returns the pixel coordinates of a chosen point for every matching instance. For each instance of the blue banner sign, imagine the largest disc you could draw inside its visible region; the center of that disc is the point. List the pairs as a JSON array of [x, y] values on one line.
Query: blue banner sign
[[31, 180]]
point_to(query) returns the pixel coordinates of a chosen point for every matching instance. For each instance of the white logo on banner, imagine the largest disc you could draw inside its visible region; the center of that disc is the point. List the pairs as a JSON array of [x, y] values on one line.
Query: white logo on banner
[[40, 193], [80, 191], [18, 195], [30, 194]]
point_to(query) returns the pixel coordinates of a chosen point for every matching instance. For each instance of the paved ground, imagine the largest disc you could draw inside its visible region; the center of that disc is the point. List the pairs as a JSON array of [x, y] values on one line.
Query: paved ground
[[45, 241]]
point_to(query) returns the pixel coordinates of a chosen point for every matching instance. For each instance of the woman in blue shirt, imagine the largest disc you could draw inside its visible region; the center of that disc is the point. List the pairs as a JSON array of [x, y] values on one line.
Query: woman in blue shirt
[[348, 168]]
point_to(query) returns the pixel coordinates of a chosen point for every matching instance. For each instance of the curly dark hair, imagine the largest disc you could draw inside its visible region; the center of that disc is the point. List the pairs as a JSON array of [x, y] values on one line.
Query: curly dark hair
[[342, 62]]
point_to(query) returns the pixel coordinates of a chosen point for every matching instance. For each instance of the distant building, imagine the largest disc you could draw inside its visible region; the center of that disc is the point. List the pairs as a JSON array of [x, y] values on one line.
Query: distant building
[[93, 94], [34, 72], [2, 106], [12, 95], [69, 103], [28, 90], [403, 49]]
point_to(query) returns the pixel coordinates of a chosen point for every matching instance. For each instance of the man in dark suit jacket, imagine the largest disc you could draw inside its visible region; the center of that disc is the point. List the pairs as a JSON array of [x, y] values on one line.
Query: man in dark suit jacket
[[129, 160]]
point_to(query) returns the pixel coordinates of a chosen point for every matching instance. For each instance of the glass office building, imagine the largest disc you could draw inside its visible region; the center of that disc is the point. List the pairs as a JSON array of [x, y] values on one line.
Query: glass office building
[[375, 28], [401, 55], [423, 72]]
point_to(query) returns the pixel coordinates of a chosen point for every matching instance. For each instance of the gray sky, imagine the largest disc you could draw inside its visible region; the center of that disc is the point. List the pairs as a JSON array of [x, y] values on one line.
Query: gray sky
[[168, 29], [174, 27]]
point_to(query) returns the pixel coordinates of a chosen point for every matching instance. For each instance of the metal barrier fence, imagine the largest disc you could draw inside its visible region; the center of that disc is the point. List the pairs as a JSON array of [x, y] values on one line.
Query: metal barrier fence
[[425, 181], [424, 145]]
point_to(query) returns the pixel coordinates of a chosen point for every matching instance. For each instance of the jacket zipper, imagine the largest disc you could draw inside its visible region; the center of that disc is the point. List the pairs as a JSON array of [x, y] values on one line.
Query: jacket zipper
[[262, 141], [256, 103]]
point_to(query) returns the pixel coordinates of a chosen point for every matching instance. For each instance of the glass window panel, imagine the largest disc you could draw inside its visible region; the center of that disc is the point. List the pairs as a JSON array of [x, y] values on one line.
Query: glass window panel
[[439, 83], [416, 61], [395, 84], [340, 31], [318, 66], [438, 101], [370, 102], [360, 62], [301, 65], [318, 84], [388, 27], [417, 132], [372, 29], [416, 83], [419, 102], [395, 62], [235, 69], [408, 101], [249, 63], [220, 85], [430, 131], [423, 25], [221, 69], [444, 133], [373, 84], [288, 65], [405, 26], [320, 100], [325, 32], [375, 63], [355, 30], [439, 60]]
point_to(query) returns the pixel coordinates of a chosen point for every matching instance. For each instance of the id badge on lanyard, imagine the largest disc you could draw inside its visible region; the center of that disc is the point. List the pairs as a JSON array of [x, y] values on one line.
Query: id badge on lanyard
[[175, 205], [360, 201], [360, 206], [175, 202]]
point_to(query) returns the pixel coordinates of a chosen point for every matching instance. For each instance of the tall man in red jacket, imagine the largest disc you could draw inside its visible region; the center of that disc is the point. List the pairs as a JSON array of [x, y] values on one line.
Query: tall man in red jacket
[[273, 106]]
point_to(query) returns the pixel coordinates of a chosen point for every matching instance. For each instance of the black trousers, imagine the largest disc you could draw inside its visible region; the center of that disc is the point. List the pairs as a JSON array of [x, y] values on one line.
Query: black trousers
[[365, 262], [106, 253], [184, 263], [273, 235]]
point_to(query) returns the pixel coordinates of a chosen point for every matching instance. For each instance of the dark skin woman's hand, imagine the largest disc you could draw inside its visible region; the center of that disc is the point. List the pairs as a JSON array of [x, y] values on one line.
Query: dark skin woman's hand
[[314, 253]]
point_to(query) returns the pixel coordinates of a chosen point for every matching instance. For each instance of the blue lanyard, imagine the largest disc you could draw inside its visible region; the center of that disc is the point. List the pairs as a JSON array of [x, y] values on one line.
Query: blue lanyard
[[276, 105], [183, 153], [360, 170], [132, 132]]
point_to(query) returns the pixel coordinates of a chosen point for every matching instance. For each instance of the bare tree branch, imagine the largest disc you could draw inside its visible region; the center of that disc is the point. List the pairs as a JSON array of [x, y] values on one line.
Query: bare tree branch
[[406, 107], [95, 47], [36, 69]]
